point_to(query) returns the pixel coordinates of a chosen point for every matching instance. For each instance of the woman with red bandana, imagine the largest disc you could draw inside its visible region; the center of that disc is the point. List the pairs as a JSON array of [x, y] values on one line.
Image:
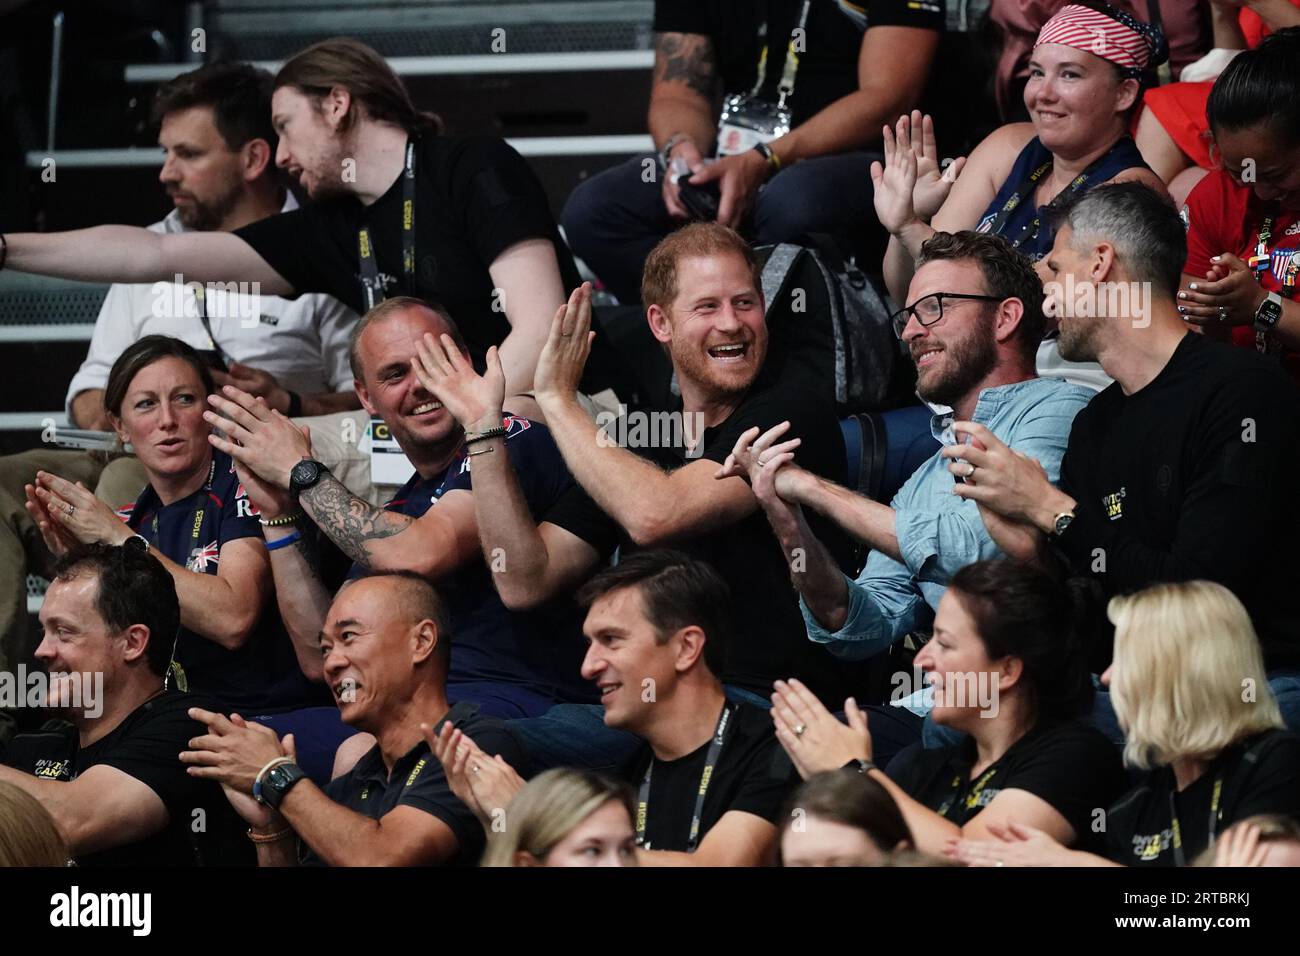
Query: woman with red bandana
[[1083, 82], [1243, 236]]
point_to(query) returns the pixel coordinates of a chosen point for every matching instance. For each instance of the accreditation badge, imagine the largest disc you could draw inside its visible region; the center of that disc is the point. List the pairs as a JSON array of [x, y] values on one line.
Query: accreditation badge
[[747, 121]]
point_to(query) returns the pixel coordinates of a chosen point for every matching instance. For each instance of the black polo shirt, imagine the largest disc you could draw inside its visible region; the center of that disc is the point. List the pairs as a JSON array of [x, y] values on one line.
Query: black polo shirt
[[201, 830], [418, 781], [1071, 766], [1259, 775], [474, 198]]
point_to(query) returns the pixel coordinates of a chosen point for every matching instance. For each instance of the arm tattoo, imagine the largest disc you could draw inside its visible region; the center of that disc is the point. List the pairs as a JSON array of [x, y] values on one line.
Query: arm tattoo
[[308, 548], [688, 58], [349, 521]]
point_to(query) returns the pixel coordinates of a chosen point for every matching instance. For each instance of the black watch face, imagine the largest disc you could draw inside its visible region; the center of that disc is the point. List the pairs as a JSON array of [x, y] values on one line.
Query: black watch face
[[278, 776], [304, 474]]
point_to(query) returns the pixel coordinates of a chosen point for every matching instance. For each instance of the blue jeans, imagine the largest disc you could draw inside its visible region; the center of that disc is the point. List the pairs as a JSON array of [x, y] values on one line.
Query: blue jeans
[[614, 219]]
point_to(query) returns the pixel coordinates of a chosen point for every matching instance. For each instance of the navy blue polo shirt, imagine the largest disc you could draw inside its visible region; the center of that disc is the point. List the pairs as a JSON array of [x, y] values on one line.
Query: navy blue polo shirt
[[262, 676], [512, 663]]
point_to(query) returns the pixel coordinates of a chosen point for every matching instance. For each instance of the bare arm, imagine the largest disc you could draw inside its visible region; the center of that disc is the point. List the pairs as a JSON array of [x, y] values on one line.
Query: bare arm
[[893, 65], [528, 277], [88, 410], [684, 87], [737, 839], [224, 607], [440, 540], [132, 254], [303, 599], [404, 836], [101, 809], [868, 521]]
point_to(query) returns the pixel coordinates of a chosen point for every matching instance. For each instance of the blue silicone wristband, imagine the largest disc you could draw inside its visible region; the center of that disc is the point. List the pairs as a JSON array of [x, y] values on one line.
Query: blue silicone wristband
[[284, 542]]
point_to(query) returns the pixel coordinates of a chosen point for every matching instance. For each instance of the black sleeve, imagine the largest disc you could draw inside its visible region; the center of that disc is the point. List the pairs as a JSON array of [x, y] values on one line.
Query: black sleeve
[[1076, 770], [1228, 513], [150, 752], [684, 16], [499, 198], [306, 247], [928, 14], [579, 515], [1274, 784], [912, 768], [769, 776]]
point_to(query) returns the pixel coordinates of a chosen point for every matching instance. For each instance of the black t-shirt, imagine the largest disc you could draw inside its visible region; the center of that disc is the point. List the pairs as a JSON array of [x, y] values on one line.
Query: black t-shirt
[[1189, 478], [263, 676], [770, 640], [202, 828], [474, 198], [540, 650], [418, 781], [828, 66], [1071, 766], [753, 775], [1259, 775]]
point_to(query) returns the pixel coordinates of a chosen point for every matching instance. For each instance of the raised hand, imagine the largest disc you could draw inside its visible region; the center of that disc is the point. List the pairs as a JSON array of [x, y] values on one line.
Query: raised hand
[[473, 400], [933, 181], [895, 182], [73, 513], [257, 436], [564, 356], [811, 735]]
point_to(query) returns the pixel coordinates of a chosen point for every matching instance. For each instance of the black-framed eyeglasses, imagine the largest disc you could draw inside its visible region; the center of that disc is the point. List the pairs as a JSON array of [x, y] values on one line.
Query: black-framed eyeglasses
[[929, 309]]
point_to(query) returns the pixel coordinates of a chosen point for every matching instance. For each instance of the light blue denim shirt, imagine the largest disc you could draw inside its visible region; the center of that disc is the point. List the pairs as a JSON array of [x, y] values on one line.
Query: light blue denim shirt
[[939, 532]]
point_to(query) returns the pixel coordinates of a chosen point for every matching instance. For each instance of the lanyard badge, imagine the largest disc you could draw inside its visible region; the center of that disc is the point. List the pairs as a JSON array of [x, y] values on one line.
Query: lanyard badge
[[747, 119]]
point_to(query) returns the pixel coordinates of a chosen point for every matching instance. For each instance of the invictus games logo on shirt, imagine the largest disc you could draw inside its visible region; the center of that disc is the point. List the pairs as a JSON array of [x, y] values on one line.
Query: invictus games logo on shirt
[[1149, 847], [1114, 504]]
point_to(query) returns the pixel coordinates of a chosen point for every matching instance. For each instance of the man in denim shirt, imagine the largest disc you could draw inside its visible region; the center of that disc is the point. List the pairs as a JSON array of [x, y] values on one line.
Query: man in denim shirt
[[973, 327]]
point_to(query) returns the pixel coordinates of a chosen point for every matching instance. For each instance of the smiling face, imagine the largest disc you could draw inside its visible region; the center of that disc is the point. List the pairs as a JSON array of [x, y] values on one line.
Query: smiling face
[[75, 638], [1257, 158], [956, 653], [958, 352], [310, 150], [203, 177], [623, 654], [390, 389], [1075, 99], [162, 417], [823, 842], [605, 838], [714, 328], [372, 649]]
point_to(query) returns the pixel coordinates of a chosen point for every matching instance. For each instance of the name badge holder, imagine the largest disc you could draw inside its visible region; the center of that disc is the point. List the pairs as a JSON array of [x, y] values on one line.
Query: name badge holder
[[747, 119]]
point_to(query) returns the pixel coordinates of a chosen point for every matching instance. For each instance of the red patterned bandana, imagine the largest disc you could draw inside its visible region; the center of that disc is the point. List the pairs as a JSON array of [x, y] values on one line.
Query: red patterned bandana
[[1094, 32]]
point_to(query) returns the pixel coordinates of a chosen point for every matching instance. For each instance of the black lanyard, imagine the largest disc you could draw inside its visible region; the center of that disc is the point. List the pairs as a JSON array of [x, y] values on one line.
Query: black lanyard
[[971, 799], [710, 763], [372, 288], [207, 324], [785, 88], [1027, 187], [1216, 814]]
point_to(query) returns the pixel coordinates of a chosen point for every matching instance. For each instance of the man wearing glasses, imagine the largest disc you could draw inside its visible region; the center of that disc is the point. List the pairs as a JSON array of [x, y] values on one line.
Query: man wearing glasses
[[973, 326]]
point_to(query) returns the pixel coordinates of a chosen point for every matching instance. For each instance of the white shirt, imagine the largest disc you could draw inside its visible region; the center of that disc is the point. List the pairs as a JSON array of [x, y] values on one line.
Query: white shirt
[[303, 342]]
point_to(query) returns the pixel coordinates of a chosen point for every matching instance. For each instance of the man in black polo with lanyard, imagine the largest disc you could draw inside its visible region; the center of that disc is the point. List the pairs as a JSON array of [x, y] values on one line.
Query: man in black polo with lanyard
[[385, 646], [459, 221], [805, 87]]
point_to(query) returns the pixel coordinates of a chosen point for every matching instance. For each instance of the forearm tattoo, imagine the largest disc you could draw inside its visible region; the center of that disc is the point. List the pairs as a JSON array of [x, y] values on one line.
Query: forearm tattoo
[[685, 57], [349, 521]]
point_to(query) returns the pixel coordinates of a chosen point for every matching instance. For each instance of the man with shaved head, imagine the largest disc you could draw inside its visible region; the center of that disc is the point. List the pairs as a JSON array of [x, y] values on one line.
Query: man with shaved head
[[384, 647], [510, 663]]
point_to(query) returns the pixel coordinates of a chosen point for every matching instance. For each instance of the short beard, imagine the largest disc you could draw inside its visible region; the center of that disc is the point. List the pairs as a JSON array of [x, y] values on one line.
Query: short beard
[[1075, 343], [972, 360], [208, 217]]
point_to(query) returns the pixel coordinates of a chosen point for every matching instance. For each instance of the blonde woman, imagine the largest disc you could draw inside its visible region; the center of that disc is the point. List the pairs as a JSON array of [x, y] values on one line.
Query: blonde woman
[[565, 818], [28, 836], [1190, 691]]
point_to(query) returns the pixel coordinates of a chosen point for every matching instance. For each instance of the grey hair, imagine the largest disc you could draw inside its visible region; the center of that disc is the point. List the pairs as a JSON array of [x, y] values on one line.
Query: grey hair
[[1143, 227]]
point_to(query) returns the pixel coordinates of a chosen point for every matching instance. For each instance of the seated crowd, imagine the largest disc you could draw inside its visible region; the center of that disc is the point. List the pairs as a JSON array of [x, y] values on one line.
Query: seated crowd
[[680, 637]]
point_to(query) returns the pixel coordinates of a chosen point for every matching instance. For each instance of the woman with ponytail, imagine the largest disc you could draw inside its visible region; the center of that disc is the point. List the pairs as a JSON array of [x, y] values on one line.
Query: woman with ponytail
[[1006, 665]]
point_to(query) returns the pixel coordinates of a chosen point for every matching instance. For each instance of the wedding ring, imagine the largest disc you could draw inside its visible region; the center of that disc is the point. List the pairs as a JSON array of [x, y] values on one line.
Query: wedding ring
[[799, 731]]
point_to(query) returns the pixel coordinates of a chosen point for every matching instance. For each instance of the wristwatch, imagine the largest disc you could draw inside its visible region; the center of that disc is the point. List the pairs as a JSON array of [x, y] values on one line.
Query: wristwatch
[[1061, 522], [1269, 313], [137, 542], [277, 782], [860, 765], [305, 475]]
